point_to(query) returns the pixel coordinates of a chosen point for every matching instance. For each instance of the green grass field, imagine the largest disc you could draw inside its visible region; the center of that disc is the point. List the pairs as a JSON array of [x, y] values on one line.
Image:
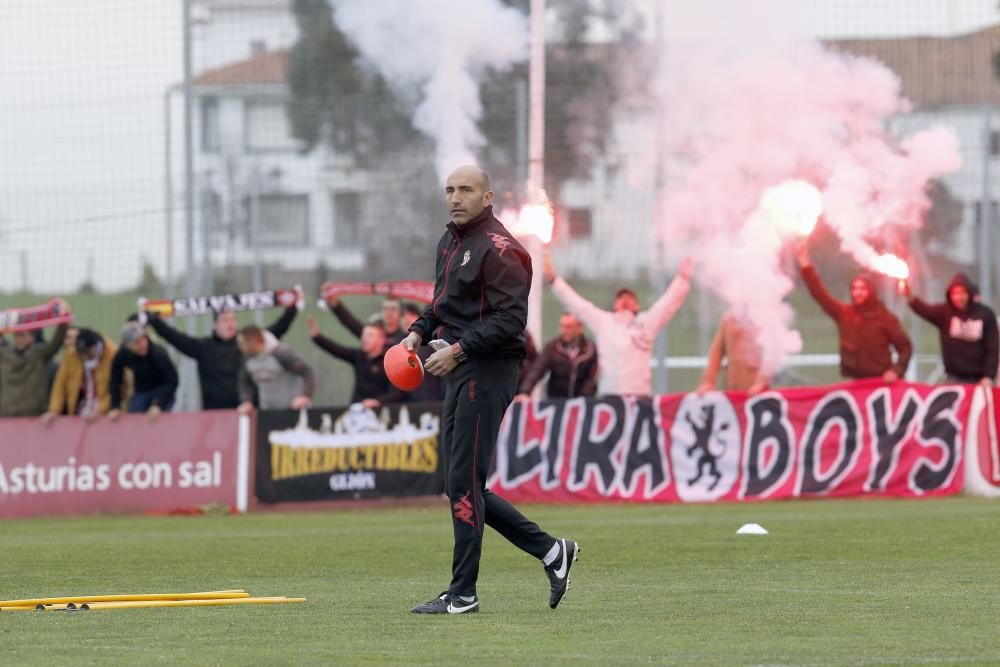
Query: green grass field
[[835, 583]]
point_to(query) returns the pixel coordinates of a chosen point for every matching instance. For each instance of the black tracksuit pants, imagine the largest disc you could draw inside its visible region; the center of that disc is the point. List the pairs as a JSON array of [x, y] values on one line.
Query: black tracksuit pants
[[478, 393]]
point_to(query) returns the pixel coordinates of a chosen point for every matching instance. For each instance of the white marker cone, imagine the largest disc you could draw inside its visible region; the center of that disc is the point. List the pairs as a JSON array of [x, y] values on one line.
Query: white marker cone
[[751, 529]]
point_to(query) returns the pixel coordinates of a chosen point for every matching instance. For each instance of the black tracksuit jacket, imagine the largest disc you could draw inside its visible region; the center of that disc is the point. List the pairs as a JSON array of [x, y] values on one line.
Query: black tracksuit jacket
[[487, 319]]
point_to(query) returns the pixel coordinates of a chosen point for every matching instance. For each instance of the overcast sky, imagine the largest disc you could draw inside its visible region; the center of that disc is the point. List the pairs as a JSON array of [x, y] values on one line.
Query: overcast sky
[[81, 116]]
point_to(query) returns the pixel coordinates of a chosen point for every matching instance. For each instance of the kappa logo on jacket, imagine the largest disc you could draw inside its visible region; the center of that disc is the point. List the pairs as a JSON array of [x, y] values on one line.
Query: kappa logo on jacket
[[466, 257], [501, 242]]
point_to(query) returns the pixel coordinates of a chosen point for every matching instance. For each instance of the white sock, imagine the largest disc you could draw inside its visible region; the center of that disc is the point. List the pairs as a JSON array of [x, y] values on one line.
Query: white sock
[[464, 598], [553, 553]]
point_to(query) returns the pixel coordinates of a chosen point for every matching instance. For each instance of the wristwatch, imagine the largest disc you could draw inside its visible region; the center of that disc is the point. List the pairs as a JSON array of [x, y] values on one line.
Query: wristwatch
[[457, 353]]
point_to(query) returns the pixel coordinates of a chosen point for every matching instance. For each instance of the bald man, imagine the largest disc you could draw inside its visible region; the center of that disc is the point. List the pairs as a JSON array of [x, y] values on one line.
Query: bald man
[[480, 309]]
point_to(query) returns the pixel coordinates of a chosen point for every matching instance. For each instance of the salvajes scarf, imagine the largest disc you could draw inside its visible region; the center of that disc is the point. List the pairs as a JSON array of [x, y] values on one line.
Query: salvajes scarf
[[35, 317], [204, 305]]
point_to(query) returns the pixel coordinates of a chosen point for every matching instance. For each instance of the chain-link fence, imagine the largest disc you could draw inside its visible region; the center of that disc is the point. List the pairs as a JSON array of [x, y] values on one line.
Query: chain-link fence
[[303, 163]]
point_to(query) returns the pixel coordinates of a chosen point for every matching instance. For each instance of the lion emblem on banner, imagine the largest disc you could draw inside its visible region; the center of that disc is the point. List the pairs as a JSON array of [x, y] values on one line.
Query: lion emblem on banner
[[705, 447]]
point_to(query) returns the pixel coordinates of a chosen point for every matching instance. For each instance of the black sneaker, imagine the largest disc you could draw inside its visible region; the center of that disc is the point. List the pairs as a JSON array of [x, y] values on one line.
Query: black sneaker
[[558, 571], [446, 603]]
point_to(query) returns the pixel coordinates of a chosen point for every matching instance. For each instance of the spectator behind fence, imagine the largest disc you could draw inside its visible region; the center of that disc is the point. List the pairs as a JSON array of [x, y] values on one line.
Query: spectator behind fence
[[390, 315], [432, 388], [24, 372], [281, 378], [411, 313], [391, 312], [530, 355], [371, 386], [154, 375], [736, 341], [218, 356], [967, 328], [570, 361], [83, 381], [866, 328], [69, 342], [624, 335]]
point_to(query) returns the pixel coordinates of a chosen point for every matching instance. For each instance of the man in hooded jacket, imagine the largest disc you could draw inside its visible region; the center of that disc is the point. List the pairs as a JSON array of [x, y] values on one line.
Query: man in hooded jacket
[[867, 329], [968, 330]]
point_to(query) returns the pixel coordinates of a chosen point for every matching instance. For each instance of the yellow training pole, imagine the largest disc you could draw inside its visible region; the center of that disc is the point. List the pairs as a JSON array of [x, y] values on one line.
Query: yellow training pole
[[22, 608], [56, 607], [211, 595], [97, 606]]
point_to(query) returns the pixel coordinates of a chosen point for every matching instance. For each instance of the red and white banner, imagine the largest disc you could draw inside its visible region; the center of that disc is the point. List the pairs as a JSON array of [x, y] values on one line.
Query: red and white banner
[[982, 454], [989, 450], [72, 467], [862, 438], [50, 313], [415, 290]]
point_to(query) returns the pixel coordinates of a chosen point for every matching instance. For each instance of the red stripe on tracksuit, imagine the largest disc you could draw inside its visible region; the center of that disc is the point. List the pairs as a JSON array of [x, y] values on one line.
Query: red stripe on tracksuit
[[475, 485], [447, 270]]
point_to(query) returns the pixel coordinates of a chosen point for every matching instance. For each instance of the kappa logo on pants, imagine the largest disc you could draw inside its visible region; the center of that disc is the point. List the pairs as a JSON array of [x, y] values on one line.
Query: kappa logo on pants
[[463, 510]]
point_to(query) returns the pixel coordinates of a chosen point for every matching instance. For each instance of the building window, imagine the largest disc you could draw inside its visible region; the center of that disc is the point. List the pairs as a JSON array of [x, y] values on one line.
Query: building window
[[267, 127], [579, 223], [994, 143], [211, 212], [281, 219], [347, 220], [210, 142]]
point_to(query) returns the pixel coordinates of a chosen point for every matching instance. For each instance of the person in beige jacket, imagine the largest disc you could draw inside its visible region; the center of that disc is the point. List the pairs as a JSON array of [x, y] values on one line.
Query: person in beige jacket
[[83, 382], [736, 341]]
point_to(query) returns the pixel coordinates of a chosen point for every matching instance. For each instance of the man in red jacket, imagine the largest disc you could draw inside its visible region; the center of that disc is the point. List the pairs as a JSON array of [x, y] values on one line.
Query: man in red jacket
[[867, 329], [480, 309]]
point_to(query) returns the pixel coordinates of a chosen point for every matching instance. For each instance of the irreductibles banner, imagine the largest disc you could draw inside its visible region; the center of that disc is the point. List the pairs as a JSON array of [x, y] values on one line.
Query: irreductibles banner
[[858, 438], [352, 452]]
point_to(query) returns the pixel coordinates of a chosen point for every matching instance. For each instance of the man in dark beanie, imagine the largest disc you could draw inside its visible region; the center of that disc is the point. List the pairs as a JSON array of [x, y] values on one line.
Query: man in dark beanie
[[155, 377]]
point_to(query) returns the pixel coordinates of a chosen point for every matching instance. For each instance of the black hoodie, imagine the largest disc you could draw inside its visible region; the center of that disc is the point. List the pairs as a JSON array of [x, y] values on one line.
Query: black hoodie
[[968, 337], [481, 290]]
